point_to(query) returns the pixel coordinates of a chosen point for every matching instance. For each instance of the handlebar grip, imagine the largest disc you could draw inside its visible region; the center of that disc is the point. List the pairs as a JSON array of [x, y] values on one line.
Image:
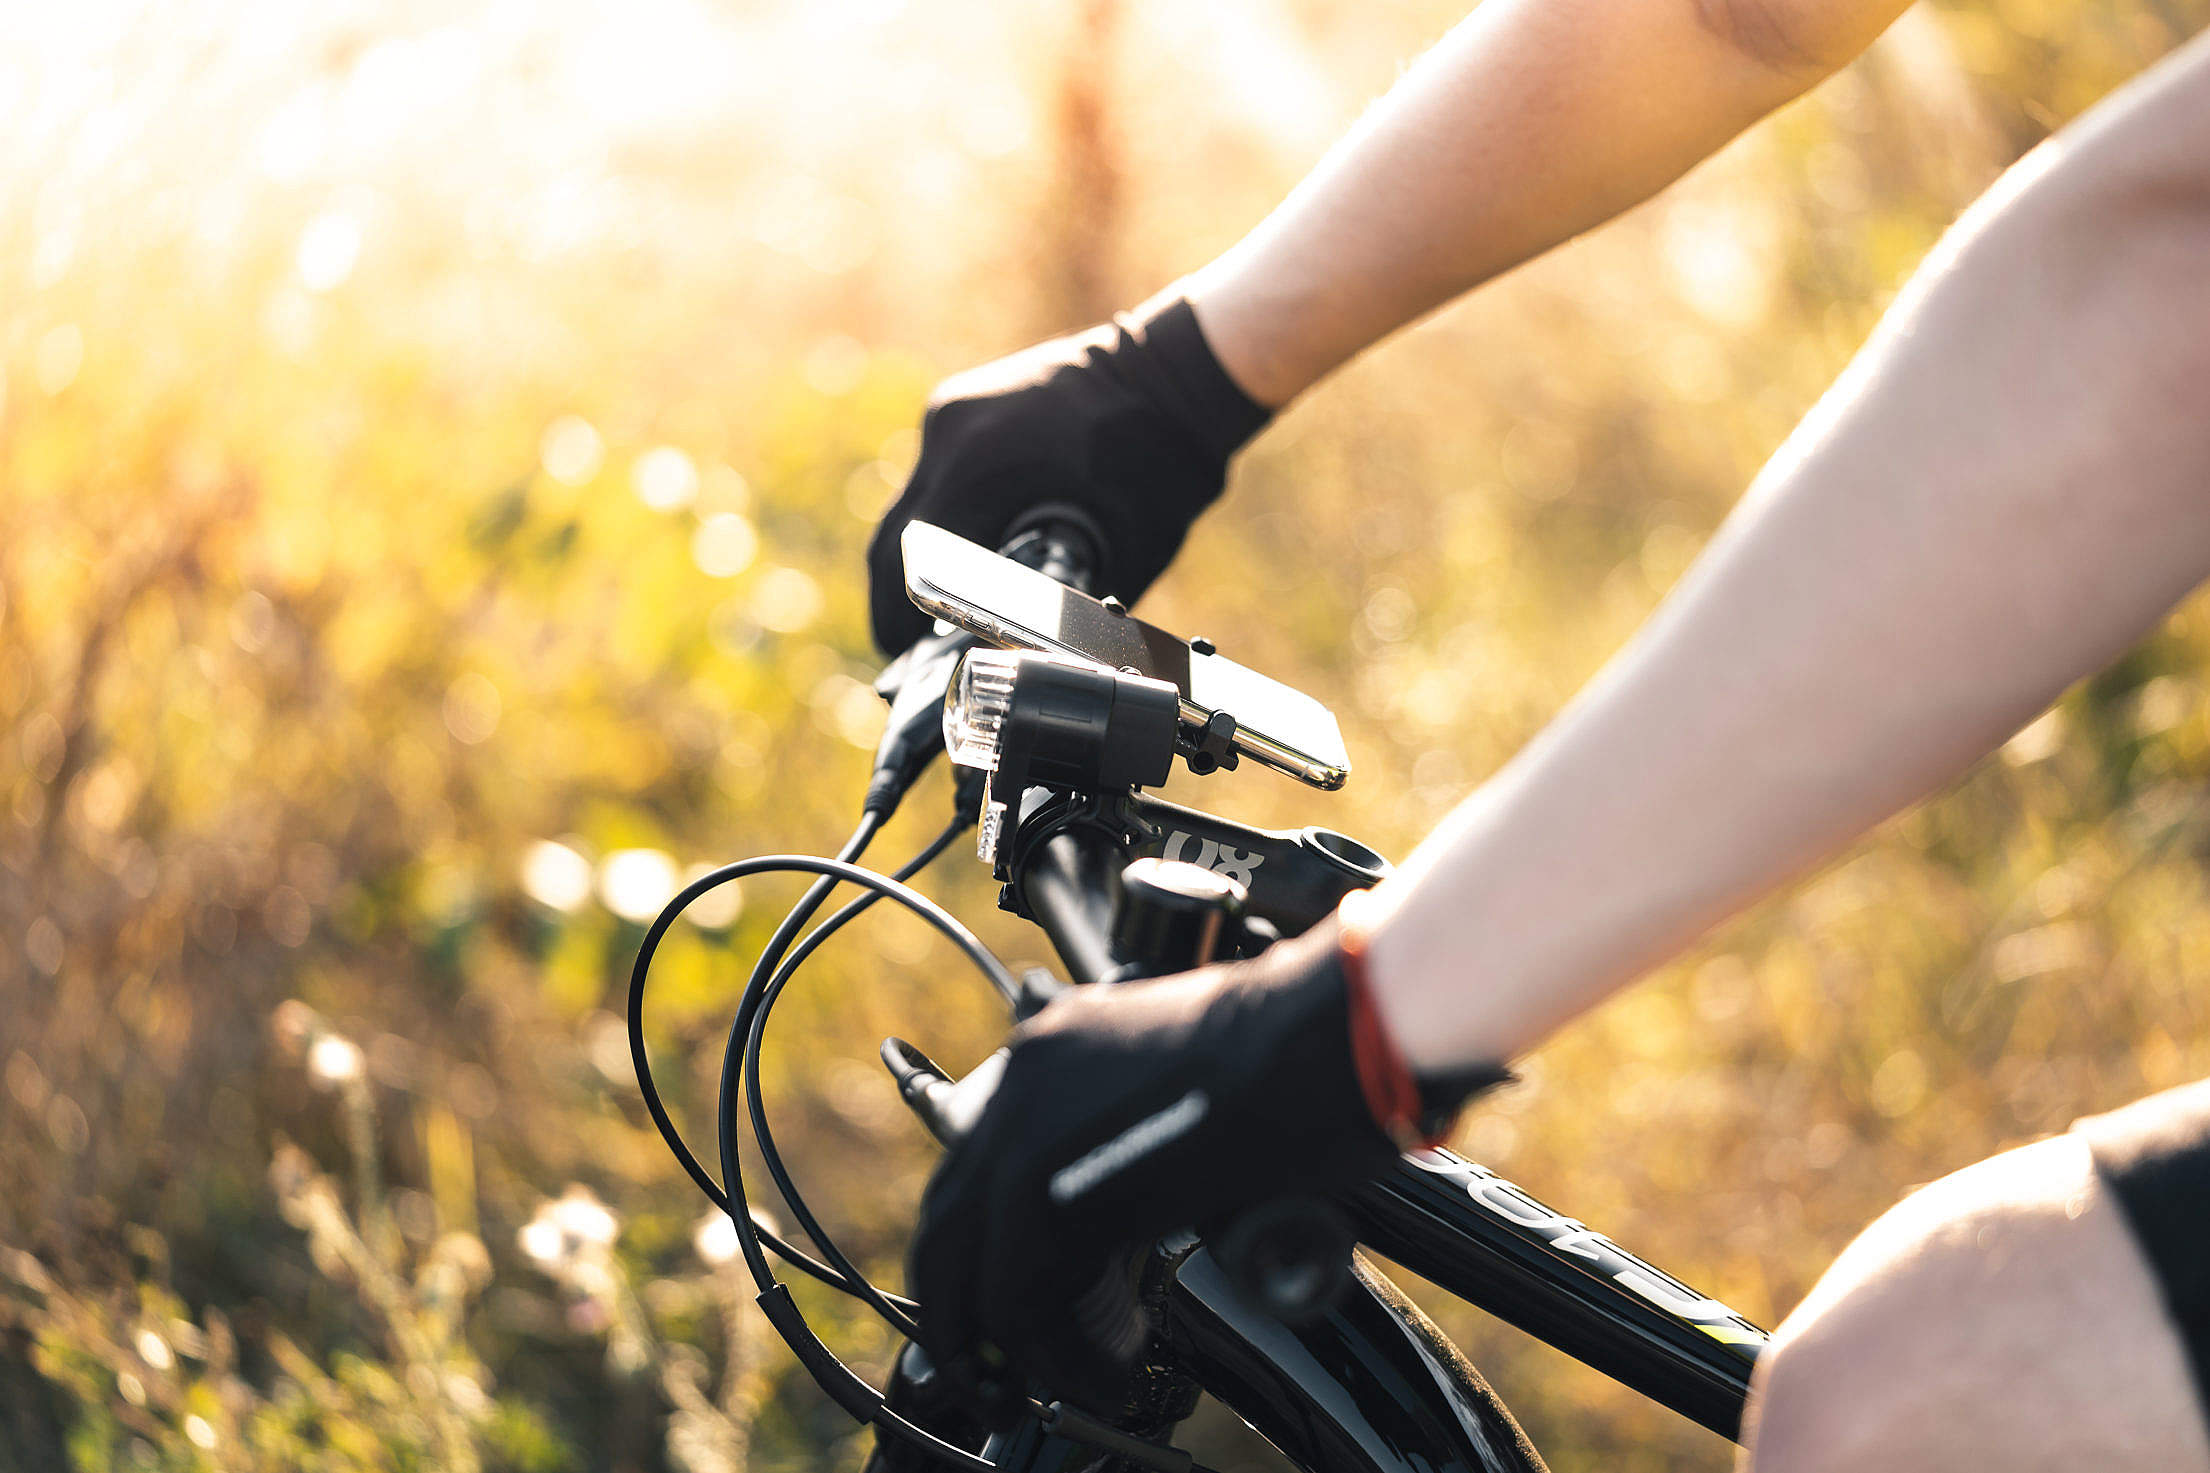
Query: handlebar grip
[[1059, 540], [1290, 1257]]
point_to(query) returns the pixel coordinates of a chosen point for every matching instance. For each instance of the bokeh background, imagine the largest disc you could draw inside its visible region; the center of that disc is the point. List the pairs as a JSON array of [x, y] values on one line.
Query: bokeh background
[[436, 445]]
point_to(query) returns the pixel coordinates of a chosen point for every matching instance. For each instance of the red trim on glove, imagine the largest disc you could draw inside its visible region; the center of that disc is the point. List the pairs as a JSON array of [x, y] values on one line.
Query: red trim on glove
[[1392, 1094]]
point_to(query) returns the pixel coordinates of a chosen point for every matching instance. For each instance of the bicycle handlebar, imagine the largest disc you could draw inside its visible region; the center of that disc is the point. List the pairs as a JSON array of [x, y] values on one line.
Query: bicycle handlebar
[[1068, 885]]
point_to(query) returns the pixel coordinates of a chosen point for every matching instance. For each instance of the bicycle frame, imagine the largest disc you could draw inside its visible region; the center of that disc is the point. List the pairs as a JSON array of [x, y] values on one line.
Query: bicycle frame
[[1373, 1386]]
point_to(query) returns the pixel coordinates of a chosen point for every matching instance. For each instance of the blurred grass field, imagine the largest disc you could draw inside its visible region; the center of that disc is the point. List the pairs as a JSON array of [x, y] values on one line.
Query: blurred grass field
[[436, 445]]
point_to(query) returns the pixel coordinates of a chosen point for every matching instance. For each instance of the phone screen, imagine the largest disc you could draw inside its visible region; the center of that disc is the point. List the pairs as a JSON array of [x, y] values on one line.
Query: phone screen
[[1000, 601]]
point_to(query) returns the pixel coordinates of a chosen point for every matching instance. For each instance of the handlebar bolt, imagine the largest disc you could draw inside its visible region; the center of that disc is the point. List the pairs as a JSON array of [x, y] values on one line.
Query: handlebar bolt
[[1171, 915]]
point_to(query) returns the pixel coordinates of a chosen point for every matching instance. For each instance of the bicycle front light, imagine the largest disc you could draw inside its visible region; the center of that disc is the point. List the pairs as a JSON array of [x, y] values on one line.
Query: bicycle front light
[[975, 706], [1038, 720]]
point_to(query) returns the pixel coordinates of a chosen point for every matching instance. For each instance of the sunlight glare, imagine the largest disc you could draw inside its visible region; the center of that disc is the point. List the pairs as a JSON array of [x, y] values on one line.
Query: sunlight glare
[[60, 354], [329, 248], [334, 1059], [715, 1238], [556, 875], [571, 450], [786, 600], [1723, 259], [664, 479], [635, 883], [724, 545], [718, 908]]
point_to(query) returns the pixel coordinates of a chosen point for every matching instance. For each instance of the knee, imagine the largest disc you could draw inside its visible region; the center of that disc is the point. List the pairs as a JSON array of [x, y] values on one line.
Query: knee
[[1936, 1339], [1850, 1365], [1835, 1390]]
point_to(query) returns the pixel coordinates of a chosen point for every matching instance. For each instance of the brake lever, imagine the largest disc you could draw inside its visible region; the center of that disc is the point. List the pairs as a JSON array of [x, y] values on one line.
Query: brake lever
[[949, 1108], [914, 686]]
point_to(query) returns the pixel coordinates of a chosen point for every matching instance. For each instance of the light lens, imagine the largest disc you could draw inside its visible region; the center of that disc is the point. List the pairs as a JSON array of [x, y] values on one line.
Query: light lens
[[975, 707]]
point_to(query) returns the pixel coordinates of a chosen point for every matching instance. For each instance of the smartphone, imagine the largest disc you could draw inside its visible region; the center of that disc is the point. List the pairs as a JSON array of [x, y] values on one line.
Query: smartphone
[[1003, 603]]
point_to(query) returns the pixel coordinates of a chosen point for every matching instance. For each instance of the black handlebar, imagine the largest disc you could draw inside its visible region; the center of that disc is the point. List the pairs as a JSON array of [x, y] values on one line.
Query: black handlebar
[[1068, 885]]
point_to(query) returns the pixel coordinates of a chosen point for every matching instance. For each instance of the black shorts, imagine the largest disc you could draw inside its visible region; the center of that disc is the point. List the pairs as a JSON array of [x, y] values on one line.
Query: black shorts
[[2155, 1155]]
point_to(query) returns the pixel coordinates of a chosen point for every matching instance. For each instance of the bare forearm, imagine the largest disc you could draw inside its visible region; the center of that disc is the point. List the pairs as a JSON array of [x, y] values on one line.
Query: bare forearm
[[2010, 486], [1531, 122]]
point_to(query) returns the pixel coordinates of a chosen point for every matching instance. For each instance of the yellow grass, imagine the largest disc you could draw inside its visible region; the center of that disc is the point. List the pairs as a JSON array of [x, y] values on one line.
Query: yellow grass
[[436, 445]]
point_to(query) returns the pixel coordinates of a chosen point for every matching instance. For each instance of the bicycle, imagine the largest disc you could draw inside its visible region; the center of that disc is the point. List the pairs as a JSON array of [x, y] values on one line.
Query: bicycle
[[1275, 1317]]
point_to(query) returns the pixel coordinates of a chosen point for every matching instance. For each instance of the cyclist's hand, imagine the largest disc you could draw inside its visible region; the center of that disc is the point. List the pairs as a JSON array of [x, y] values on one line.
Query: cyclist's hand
[[1131, 423], [1124, 1112]]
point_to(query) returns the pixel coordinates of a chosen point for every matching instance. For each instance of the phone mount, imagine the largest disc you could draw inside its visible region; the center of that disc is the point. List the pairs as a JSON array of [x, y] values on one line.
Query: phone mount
[[1212, 747], [1226, 711]]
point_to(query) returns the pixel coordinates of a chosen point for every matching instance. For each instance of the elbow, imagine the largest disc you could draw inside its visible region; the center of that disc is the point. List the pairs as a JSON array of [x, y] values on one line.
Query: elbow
[[2140, 237], [2059, 336], [2109, 260], [1799, 41], [2112, 218], [2136, 252], [2128, 181]]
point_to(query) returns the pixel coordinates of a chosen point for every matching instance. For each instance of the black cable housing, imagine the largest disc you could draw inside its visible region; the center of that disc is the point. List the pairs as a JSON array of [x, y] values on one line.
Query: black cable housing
[[895, 1309], [870, 824], [770, 974]]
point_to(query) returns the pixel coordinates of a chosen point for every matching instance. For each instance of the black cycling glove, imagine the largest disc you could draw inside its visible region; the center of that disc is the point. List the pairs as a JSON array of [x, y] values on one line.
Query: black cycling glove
[[1132, 423], [1126, 1111]]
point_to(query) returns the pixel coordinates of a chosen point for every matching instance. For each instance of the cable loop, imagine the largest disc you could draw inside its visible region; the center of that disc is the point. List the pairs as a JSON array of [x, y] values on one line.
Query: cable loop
[[770, 975]]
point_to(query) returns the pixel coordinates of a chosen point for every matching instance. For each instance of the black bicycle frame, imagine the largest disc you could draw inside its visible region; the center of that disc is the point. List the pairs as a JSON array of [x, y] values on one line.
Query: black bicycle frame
[[1372, 1386]]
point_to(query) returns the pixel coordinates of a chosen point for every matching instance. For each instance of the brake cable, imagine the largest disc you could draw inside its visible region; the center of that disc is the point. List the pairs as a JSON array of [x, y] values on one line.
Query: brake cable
[[862, 1401], [839, 1273], [896, 1310], [836, 1379], [870, 824]]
